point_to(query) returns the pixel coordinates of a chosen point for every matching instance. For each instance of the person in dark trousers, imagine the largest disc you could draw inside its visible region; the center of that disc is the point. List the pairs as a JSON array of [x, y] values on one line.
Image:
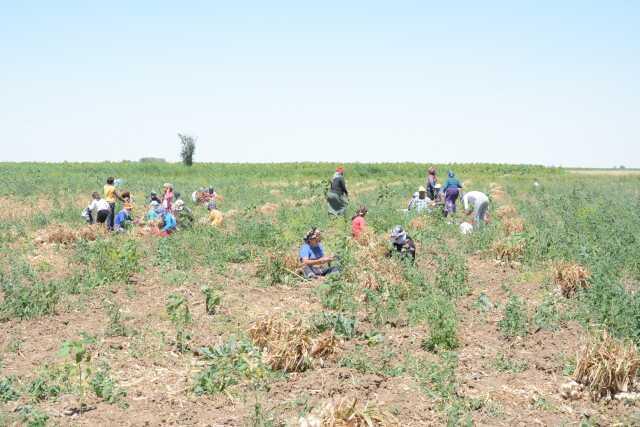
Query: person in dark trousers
[[111, 196], [101, 208], [451, 190], [402, 244], [432, 181], [337, 194], [314, 262]]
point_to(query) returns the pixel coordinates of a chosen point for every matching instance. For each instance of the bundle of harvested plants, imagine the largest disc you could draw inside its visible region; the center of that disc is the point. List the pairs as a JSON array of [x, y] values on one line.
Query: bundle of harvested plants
[[347, 413], [570, 277]]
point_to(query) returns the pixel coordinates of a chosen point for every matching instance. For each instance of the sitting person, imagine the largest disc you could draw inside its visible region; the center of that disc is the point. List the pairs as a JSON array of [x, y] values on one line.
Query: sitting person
[[123, 219], [314, 262], [358, 224], [184, 216], [167, 224], [402, 243], [215, 216], [153, 197], [154, 212], [101, 208], [421, 202]]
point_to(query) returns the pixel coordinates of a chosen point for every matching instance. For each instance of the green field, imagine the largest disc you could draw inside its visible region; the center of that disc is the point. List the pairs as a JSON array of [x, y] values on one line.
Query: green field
[[149, 331]]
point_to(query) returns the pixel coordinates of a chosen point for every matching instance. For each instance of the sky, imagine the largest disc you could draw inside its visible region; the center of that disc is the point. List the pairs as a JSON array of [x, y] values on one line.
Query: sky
[[537, 82]]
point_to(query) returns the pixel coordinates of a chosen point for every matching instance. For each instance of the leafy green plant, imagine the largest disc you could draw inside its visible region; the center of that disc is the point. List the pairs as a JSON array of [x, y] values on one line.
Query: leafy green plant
[[105, 387], [506, 364], [7, 390], [32, 417], [340, 324], [79, 353], [41, 389], [211, 300], [547, 316], [338, 295], [25, 301], [116, 326], [228, 365], [514, 322], [179, 314]]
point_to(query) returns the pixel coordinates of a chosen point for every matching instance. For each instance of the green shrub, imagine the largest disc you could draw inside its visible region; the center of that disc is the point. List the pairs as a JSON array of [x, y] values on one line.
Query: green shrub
[[514, 322], [7, 390], [106, 388], [338, 323], [27, 301]]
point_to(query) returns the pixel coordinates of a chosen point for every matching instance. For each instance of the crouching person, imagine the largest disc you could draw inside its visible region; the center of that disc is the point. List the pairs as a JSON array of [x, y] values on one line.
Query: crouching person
[[124, 219], [314, 262], [403, 245], [168, 224], [101, 208]]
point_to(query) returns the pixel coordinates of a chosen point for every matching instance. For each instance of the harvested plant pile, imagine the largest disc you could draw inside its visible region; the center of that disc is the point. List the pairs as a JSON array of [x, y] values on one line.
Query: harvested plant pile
[[607, 366], [374, 267], [268, 208], [570, 277], [289, 345], [347, 413], [506, 211], [57, 233], [509, 250], [513, 225]]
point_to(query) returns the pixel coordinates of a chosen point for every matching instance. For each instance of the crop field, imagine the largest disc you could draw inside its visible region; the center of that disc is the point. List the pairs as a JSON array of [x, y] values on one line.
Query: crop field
[[531, 320]]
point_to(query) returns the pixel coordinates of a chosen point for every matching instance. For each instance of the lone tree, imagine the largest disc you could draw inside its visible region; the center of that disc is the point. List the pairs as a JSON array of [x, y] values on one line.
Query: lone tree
[[188, 147]]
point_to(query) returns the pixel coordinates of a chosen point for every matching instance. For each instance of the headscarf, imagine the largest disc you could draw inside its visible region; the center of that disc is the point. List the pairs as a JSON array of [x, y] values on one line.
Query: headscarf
[[362, 211], [432, 171], [450, 174], [398, 235], [179, 205], [128, 206], [212, 205], [314, 233]]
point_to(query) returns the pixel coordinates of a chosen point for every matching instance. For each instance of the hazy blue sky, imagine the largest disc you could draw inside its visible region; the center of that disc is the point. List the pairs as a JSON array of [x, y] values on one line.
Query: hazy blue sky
[[551, 82]]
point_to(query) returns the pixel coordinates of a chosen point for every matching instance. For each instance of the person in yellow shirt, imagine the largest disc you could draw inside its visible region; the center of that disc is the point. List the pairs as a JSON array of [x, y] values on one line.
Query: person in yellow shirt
[[215, 216], [111, 196]]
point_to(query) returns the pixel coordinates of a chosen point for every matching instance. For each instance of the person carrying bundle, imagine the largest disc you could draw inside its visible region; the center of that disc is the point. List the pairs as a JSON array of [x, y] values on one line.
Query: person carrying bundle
[[476, 203], [101, 208], [337, 194], [314, 262], [451, 191]]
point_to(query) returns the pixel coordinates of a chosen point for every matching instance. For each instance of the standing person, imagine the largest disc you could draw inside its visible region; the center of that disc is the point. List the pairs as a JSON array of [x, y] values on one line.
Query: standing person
[[358, 224], [402, 243], [101, 208], [167, 197], [337, 194], [451, 191], [432, 181], [111, 196], [476, 203], [315, 263]]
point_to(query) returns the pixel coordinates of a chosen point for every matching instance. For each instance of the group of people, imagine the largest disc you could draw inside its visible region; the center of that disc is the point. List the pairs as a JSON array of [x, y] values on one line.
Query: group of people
[[316, 263], [166, 212]]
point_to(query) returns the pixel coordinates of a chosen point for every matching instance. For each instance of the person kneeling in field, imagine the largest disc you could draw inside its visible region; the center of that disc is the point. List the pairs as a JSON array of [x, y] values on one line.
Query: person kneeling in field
[[167, 224], [184, 216], [215, 216], [476, 203], [123, 219], [402, 244], [421, 202], [314, 262], [101, 208]]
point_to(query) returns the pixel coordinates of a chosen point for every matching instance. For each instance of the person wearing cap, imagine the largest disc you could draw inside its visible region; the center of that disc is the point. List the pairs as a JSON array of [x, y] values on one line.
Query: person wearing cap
[[451, 191], [337, 194], [215, 216], [184, 216], [402, 243], [101, 208], [358, 223], [476, 203], [167, 197], [123, 219], [314, 261], [432, 181], [421, 202]]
